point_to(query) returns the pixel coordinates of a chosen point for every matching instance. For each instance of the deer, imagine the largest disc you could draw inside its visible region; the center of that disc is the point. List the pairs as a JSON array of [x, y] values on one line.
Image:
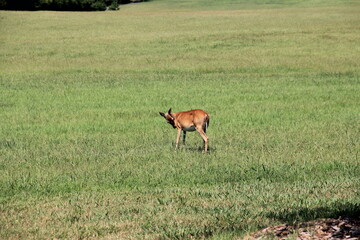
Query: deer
[[189, 121]]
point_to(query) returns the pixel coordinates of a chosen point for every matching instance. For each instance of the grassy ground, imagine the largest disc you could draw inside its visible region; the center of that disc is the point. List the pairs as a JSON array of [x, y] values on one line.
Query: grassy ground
[[85, 154]]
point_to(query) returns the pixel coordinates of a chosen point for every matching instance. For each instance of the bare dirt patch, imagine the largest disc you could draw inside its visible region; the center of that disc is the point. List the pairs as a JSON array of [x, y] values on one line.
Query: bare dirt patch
[[327, 229]]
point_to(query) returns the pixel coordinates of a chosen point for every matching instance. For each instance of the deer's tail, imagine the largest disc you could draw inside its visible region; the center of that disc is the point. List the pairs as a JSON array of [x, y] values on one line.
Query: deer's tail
[[207, 122]]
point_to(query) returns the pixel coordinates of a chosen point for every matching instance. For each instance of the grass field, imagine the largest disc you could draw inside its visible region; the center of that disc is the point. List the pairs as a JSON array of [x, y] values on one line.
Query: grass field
[[84, 153]]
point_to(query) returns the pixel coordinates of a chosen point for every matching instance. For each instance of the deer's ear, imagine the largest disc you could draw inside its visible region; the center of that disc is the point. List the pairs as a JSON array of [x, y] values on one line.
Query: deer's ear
[[162, 114], [170, 114]]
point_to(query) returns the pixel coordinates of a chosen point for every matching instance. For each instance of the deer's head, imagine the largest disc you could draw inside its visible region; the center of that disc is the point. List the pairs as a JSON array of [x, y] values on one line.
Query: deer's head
[[169, 117]]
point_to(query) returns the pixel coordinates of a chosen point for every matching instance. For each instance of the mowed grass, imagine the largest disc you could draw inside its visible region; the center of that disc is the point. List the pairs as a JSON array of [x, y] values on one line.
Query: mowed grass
[[84, 153]]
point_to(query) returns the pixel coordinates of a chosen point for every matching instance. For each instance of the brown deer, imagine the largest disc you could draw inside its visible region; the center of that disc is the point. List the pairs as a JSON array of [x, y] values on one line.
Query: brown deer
[[189, 121]]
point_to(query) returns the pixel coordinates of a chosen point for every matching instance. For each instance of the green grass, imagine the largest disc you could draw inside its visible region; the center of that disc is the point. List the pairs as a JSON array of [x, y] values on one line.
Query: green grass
[[85, 154]]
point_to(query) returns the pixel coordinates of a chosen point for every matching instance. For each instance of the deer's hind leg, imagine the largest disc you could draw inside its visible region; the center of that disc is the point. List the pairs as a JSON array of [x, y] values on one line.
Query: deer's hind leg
[[204, 137]]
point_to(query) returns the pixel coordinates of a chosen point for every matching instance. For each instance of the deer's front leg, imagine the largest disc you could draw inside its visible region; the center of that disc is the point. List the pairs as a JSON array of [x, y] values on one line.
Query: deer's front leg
[[184, 137], [178, 138]]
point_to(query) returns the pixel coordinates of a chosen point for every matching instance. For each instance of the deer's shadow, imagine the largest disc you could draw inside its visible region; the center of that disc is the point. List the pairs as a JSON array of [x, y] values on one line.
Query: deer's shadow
[[194, 148]]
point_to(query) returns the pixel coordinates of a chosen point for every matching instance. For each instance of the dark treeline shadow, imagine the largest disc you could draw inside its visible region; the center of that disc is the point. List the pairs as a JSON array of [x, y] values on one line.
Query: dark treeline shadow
[[63, 5]]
